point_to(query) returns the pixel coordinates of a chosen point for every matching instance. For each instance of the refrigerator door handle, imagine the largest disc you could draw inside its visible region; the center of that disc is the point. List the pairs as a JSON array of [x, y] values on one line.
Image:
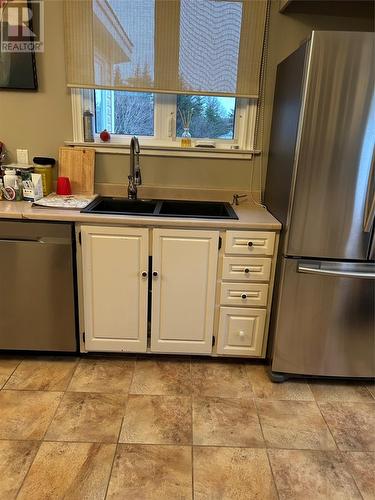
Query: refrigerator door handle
[[369, 214], [316, 268], [369, 220]]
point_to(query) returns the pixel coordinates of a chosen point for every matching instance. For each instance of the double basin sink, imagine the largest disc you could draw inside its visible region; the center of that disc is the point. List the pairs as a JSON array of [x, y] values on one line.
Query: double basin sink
[[161, 208]]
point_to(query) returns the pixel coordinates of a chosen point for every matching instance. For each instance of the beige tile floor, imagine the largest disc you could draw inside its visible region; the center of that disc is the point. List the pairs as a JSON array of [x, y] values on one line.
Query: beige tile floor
[[161, 428]]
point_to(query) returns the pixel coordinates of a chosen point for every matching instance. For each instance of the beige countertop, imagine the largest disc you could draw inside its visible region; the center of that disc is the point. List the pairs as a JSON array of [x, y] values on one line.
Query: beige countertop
[[250, 216]]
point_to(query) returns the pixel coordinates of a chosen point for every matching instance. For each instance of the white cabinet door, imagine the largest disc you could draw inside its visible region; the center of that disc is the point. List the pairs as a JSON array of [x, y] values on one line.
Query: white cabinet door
[[114, 290], [183, 291]]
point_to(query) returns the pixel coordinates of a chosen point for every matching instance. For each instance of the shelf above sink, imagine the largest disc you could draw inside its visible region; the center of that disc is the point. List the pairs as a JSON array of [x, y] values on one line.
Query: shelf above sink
[[161, 208]]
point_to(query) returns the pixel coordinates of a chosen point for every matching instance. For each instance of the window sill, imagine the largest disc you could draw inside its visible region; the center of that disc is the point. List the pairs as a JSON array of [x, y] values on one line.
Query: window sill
[[157, 150]]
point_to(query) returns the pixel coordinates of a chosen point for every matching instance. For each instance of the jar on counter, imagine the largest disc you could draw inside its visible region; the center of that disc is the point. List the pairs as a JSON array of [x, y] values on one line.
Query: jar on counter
[[43, 166]]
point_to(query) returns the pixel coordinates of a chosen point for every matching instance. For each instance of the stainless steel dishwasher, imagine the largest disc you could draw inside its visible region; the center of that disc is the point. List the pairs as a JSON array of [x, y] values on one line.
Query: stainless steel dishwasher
[[37, 291]]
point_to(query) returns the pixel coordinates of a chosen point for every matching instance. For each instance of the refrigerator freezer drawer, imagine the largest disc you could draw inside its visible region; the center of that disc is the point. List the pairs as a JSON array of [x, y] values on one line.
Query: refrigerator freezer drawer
[[249, 242], [246, 269], [324, 323]]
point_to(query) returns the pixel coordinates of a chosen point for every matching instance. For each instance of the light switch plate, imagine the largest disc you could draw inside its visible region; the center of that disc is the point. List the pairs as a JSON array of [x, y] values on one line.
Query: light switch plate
[[22, 156]]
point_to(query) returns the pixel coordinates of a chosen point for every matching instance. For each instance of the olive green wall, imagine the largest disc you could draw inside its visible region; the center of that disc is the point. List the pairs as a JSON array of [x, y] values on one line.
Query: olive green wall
[[41, 121]]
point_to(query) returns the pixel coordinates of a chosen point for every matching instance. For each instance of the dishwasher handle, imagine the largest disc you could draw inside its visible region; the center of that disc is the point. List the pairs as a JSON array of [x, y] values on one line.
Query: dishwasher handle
[[48, 240]]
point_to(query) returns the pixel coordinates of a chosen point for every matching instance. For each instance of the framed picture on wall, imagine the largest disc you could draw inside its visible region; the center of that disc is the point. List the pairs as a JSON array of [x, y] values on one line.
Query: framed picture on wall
[[17, 54]]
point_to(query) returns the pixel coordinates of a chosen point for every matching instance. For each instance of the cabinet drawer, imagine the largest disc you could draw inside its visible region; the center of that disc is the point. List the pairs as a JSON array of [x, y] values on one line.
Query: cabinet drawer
[[246, 268], [241, 331], [244, 294], [249, 242]]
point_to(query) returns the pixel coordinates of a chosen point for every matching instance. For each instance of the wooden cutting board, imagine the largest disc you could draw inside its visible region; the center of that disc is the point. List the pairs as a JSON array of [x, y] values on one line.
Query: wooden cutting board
[[79, 165]]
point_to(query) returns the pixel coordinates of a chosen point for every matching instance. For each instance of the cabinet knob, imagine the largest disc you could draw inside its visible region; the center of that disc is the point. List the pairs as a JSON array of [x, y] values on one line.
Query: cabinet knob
[[244, 296], [250, 244], [144, 274], [241, 333], [247, 270], [155, 273]]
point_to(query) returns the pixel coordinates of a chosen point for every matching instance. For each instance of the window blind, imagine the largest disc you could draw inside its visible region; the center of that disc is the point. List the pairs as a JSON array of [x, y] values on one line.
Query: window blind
[[209, 47]]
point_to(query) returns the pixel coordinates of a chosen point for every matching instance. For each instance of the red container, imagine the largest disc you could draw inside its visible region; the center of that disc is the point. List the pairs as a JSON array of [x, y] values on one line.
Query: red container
[[63, 186]]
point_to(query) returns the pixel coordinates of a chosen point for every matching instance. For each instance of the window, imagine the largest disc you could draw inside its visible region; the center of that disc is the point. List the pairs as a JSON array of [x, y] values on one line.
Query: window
[[157, 119], [211, 117], [124, 113], [144, 68]]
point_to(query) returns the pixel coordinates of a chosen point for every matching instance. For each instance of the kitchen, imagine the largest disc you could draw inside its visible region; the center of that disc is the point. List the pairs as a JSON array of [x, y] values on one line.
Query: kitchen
[[177, 319]]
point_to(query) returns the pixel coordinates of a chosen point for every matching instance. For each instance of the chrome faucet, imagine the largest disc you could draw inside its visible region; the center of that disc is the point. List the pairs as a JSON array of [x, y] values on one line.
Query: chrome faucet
[[134, 176]]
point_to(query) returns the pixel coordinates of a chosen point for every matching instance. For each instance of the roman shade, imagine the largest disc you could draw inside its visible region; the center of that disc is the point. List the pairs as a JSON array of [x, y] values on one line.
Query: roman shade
[[209, 47]]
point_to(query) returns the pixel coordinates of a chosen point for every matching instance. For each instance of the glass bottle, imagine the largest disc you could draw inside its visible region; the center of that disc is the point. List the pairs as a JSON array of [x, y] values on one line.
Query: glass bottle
[[186, 138]]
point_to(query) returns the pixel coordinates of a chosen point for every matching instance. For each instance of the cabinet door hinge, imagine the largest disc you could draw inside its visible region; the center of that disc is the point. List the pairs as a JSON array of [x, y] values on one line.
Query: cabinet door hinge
[[80, 238], [84, 336], [213, 341], [220, 241]]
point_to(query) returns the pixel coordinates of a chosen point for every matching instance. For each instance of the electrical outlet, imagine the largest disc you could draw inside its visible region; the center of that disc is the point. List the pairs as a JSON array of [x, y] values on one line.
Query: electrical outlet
[[23, 156]]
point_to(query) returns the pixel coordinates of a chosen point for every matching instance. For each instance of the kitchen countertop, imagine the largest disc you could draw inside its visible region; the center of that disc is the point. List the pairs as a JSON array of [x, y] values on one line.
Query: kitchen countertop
[[250, 216]]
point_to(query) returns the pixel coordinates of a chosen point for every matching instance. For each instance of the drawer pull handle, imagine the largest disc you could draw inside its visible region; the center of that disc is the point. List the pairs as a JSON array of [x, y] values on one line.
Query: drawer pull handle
[[244, 296], [250, 244], [241, 333], [144, 274], [247, 270], [155, 273]]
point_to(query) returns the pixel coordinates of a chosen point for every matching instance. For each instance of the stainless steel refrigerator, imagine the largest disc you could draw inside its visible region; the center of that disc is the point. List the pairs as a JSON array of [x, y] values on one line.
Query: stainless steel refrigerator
[[320, 185]]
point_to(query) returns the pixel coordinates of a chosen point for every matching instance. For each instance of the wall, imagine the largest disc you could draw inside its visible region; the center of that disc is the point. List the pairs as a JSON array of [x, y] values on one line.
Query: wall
[[41, 121]]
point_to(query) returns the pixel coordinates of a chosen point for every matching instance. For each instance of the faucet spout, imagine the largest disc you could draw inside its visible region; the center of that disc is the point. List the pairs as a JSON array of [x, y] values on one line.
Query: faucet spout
[[135, 170], [135, 178]]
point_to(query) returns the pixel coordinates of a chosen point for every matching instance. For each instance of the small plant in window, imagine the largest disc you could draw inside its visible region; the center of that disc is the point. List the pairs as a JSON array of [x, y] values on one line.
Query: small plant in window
[[186, 120]]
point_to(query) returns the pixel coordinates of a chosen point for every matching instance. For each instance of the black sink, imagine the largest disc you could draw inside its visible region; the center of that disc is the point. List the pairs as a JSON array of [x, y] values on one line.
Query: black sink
[[120, 206], [197, 209], [160, 208]]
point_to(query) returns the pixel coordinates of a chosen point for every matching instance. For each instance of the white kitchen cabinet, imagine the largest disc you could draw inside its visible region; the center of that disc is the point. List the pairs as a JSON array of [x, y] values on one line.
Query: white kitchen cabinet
[[244, 294], [241, 331], [115, 288], [183, 290], [249, 242], [247, 277], [246, 268]]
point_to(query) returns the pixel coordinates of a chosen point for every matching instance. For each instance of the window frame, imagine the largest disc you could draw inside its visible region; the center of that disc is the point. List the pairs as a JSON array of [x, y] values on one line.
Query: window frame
[[165, 109]]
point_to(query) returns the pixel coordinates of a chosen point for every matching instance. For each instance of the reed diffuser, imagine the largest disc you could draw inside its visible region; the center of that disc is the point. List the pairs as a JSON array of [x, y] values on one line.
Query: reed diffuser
[[186, 120]]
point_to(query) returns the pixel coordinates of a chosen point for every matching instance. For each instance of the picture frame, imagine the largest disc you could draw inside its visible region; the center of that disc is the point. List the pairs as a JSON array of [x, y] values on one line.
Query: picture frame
[[18, 69]]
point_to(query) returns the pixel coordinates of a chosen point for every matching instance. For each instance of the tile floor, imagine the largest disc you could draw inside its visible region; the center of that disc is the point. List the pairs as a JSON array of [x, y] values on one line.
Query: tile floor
[[155, 428]]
